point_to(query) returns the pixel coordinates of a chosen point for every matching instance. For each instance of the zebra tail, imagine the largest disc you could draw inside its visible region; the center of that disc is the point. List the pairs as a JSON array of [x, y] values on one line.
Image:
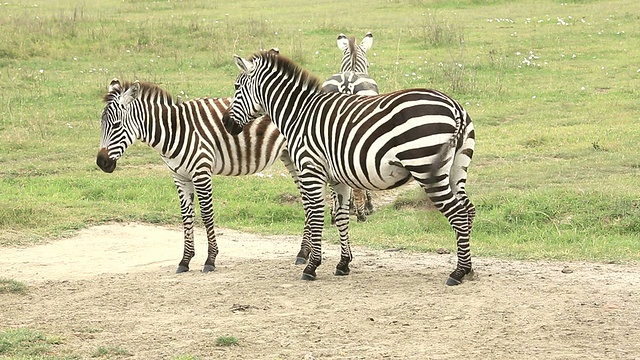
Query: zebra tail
[[439, 160]]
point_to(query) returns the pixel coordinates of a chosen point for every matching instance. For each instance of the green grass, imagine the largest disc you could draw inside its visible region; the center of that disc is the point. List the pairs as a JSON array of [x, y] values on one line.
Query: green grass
[[12, 286], [110, 352], [28, 344], [226, 340], [555, 109]]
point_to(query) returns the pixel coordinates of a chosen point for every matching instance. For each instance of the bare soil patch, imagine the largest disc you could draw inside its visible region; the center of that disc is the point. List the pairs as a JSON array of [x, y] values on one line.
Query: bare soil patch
[[114, 285]]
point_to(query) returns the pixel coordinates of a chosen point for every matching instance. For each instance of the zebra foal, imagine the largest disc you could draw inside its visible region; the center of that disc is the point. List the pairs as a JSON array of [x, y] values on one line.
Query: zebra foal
[[190, 138], [363, 142]]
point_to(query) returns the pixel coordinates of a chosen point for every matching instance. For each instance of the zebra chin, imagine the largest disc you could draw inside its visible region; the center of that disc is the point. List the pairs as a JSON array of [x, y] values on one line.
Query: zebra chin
[[107, 165], [231, 126]]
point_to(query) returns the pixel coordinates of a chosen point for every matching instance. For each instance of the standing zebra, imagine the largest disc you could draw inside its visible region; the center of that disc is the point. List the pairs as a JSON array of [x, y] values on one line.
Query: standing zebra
[[190, 138], [354, 79], [364, 142]]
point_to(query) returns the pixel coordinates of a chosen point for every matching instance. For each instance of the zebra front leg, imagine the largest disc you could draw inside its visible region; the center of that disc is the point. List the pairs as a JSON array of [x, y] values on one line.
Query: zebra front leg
[[313, 200], [204, 190], [186, 195], [343, 197]]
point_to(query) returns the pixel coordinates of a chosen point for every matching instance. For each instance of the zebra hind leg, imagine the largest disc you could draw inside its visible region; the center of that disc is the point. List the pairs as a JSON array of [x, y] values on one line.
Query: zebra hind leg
[[359, 201], [368, 204], [343, 193], [456, 212]]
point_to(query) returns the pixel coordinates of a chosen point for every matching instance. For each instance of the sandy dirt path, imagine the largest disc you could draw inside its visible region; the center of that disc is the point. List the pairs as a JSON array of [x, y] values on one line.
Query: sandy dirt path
[[114, 286]]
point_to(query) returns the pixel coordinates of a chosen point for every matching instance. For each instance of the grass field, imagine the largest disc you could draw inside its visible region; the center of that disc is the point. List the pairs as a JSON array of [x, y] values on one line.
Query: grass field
[[552, 87]]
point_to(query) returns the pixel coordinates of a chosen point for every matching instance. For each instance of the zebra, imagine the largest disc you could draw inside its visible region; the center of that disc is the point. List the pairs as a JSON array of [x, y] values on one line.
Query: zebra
[[190, 138], [354, 79], [364, 142]]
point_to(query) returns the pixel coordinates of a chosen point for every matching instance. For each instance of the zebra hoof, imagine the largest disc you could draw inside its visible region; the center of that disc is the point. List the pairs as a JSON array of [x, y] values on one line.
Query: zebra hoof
[[340, 272], [308, 277], [208, 268], [300, 261], [182, 269], [452, 282]]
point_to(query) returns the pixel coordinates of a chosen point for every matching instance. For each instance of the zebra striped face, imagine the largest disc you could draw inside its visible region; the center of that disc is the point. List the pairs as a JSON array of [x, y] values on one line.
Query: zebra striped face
[[115, 125], [245, 106]]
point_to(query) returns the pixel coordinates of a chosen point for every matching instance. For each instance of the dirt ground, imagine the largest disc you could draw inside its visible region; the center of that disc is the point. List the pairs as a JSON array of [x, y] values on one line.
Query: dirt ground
[[115, 286]]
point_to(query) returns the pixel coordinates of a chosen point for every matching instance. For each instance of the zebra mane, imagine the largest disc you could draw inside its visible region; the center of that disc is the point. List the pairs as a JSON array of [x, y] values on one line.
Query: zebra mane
[[289, 68], [353, 51], [146, 88]]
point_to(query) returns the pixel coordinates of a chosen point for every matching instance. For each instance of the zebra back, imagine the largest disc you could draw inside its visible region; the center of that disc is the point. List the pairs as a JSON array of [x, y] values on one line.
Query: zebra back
[[189, 135]]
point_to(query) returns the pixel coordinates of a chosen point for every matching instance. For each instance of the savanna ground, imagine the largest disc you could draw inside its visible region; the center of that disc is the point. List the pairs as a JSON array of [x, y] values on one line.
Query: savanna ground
[[552, 87], [114, 286]]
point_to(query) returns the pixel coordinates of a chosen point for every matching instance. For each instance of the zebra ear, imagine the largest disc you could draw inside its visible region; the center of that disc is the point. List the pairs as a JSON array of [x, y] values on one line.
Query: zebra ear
[[132, 93], [244, 65], [275, 50], [114, 85], [343, 42], [367, 42]]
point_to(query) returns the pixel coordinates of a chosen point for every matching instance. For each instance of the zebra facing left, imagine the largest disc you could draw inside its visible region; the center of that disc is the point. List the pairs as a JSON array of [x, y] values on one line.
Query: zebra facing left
[[363, 142], [190, 138]]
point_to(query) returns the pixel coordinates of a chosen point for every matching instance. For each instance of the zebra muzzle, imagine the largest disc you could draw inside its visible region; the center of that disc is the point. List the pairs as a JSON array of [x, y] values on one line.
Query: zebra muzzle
[[107, 165], [231, 126]]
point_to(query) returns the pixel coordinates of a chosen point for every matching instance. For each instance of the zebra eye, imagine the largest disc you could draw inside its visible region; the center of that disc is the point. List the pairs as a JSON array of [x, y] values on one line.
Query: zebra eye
[[116, 124]]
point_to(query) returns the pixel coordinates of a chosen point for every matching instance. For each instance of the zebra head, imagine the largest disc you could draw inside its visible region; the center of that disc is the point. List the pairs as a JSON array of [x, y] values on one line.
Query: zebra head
[[355, 56], [245, 106], [115, 123]]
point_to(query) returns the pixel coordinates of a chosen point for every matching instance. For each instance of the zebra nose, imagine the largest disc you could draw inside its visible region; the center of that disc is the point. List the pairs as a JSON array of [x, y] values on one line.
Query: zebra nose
[[107, 165], [231, 126]]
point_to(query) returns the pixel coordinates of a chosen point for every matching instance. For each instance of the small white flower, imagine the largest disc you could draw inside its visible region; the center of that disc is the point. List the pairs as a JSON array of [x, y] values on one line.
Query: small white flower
[[533, 97], [573, 56], [518, 53], [69, 126], [317, 52], [260, 175], [276, 33], [41, 71], [582, 88]]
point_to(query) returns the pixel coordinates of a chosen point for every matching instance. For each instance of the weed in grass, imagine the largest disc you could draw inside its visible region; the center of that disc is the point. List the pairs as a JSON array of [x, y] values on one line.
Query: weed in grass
[[12, 286], [227, 340]]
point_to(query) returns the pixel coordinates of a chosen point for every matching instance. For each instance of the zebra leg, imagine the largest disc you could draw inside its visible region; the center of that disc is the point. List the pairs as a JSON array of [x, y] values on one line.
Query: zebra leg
[[313, 190], [343, 193], [359, 199], [368, 204], [204, 191], [186, 194], [457, 214], [305, 246]]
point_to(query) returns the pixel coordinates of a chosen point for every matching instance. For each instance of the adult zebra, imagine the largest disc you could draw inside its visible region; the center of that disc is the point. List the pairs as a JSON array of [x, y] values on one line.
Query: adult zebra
[[190, 138], [365, 142], [354, 79]]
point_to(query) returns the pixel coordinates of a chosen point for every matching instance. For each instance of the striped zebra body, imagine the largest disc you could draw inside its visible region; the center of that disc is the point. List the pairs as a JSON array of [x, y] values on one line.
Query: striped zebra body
[[190, 138], [354, 79], [364, 142]]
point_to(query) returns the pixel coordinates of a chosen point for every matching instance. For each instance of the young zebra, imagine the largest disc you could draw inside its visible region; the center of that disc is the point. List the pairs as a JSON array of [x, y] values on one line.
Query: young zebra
[[364, 142], [354, 79], [190, 138]]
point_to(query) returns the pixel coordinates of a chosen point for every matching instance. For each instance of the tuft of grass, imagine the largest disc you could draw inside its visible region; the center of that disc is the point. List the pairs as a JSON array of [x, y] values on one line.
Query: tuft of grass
[[227, 340], [12, 286], [110, 351]]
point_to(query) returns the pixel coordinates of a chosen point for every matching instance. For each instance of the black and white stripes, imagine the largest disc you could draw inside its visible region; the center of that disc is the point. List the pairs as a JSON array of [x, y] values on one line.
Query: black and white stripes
[[190, 138], [364, 142]]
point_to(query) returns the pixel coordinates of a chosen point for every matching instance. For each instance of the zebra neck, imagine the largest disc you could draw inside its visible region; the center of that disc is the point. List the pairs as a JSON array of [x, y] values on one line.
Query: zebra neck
[[160, 122]]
